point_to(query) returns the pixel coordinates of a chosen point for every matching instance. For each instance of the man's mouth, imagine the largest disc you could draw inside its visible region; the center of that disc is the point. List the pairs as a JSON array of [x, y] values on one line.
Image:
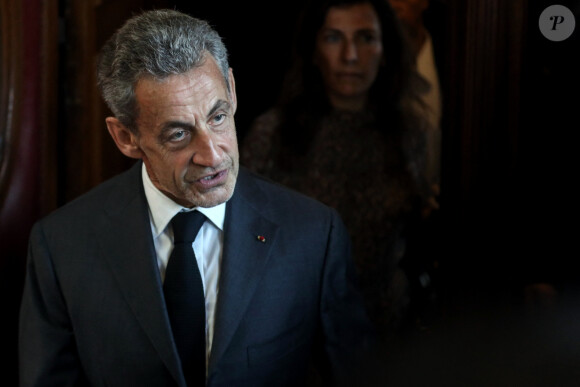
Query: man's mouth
[[213, 180], [210, 177]]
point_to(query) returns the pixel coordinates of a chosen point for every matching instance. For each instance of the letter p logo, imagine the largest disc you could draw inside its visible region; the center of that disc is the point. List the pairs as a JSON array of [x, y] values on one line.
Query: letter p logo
[[557, 23], [557, 20]]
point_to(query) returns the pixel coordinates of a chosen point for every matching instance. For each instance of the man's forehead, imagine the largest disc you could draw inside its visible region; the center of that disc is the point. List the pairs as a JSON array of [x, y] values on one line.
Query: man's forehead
[[198, 84]]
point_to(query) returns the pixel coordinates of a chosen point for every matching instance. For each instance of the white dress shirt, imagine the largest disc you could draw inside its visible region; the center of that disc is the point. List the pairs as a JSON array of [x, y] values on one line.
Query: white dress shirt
[[208, 245]]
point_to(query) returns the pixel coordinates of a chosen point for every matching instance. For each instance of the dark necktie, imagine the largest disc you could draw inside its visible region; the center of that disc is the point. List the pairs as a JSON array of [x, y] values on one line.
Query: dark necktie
[[183, 289]]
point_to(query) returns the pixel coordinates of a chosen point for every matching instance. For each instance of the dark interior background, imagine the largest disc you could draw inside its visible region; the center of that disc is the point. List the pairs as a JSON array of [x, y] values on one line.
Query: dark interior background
[[508, 195]]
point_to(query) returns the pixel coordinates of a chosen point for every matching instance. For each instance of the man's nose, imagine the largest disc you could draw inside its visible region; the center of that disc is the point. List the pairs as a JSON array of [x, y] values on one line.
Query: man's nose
[[206, 152]]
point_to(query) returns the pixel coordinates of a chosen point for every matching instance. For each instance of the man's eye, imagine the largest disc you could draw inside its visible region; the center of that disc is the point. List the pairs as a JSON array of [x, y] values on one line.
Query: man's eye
[[219, 118], [178, 135]]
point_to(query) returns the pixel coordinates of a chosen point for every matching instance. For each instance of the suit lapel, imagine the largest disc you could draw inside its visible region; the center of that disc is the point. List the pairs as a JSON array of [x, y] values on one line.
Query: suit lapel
[[248, 240], [128, 246]]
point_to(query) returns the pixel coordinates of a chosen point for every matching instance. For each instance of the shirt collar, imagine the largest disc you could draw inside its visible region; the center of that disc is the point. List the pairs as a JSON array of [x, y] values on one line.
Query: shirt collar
[[162, 209]]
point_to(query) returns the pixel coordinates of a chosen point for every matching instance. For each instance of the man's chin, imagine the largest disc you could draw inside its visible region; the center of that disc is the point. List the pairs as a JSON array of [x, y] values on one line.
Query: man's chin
[[214, 197]]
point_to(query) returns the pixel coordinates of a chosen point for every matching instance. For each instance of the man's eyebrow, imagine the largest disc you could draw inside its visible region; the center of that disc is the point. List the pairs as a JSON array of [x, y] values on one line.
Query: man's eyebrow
[[220, 104], [175, 124]]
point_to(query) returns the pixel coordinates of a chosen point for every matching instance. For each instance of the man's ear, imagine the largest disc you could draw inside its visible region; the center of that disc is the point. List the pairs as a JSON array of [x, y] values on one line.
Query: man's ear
[[124, 138], [232, 89]]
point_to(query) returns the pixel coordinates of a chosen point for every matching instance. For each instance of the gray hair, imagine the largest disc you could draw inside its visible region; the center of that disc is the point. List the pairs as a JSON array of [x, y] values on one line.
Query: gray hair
[[154, 44]]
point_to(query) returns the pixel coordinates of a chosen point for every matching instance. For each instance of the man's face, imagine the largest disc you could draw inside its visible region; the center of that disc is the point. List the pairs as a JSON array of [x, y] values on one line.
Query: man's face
[[187, 135], [349, 50]]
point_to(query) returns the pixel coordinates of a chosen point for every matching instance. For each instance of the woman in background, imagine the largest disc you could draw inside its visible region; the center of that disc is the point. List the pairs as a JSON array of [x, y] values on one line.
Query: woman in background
[[344, 132]]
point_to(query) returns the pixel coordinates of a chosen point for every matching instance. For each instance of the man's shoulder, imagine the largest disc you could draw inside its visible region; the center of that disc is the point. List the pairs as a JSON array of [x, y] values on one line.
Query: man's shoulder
[[274, 197], [114, 190]]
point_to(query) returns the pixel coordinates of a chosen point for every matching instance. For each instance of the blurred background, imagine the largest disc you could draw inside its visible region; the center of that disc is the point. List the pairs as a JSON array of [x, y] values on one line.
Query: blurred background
[[503, 306]]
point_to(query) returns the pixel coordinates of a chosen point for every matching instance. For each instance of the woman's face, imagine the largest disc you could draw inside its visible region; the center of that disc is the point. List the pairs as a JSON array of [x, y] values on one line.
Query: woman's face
[[349, 52]]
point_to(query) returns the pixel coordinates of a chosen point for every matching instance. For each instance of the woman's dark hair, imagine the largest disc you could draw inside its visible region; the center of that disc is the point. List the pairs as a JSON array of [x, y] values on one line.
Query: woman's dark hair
[[303, 100]]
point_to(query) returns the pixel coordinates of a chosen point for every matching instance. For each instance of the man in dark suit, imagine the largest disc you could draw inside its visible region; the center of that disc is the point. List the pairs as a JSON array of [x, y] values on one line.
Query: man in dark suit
[[281, 306]]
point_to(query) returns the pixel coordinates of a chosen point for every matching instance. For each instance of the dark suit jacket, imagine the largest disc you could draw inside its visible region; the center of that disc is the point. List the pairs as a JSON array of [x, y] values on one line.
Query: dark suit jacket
[[93, 309]]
